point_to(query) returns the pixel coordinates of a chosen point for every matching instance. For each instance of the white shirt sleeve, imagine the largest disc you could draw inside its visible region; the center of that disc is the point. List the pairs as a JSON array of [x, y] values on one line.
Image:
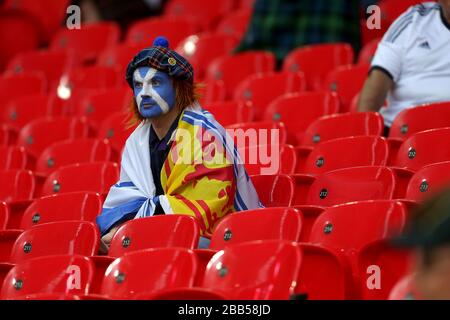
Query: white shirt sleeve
[[391, 48]]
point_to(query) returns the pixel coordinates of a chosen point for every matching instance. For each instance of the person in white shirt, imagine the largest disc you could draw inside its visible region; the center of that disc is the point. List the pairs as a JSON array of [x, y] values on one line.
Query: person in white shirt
[[412, 63]]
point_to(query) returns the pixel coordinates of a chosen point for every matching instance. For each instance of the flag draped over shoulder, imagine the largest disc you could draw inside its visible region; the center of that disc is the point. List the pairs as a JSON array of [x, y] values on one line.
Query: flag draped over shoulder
[[202, 176]]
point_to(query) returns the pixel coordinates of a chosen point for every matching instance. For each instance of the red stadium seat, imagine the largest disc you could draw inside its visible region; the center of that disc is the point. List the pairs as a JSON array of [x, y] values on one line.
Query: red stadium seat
[[164, 269], [274, 190], [14, 86], [235, 23], [245, 4], [119, 56], [232, 271], [358, 151], [368, 51], [428, 180], [50, 64], [269, 159], [232, 69], [425, 117], [347, 228], [72, 151], [53, 238], [175, 29], [231, 112], [115, 129], [317, 262], [7, 135], [345, 185], [48, 17], [12, 157], [98, 106], [160, 231], [264, 132], [263, 88], [16, 185], [94, 177], [423, 148], [260, 224], [343, 125], [392, 9], [205, 13], [212, 91], [60, 274], [390, 264], [315, 61], [205, 47], [35, 135], [299, 110], [86, 43], [4, 215], [18, 112], [347, 81], [79, 206]]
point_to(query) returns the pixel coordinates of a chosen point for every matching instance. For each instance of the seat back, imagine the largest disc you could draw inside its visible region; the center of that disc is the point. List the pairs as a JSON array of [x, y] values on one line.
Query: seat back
[[259, 224], [148, 271], [53, 238], [274, 190], [12, 158], [173, 230], [428, 181], [16, 185]]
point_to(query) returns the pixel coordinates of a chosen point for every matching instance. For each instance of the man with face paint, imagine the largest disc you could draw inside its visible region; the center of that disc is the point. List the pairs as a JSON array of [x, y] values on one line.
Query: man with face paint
[[179, 160]]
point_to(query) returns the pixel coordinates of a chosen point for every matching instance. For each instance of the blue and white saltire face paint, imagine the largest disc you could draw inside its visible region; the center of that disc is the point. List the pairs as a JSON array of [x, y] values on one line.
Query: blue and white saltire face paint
[[153, 91]]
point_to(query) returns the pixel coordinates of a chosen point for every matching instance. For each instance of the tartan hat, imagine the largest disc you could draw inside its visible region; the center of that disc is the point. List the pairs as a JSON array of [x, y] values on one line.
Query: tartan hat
[[161, 58]]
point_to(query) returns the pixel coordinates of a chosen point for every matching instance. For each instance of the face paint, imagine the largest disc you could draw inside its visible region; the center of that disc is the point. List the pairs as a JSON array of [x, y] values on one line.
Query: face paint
[[153, 91]]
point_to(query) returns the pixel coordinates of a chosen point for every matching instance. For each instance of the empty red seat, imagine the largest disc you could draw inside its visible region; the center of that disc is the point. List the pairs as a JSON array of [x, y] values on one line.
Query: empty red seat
[[233, 272], [269, 159], [4, 215], [50, 64], [7, 135], [174, 230], [231, 112], [420, 118], [62, 237], [12, 86], [35, 136], [343, 125], [274, 190], [120, 55], [428, 181], [358, 151], [380, 267], [16, 185], [98, 106], [94, 177], [200, 49], [347, 81], [47, 18], [88, 41], [233, 69], [235, 23], [319, 261], [298, 110], [80, 206], [17, 113], [12, 157], [203, 12], [259, 132], [345, 185], [423, 148], [164, 269], [259, 224], [59, 274], [315, 61], [212, 91], [263, 88], [72, 151], [347, 228], [174, 29], [116, 130]]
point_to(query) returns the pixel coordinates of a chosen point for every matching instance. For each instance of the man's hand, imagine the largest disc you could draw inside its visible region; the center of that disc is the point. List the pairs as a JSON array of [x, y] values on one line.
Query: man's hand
[[108, 237]]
